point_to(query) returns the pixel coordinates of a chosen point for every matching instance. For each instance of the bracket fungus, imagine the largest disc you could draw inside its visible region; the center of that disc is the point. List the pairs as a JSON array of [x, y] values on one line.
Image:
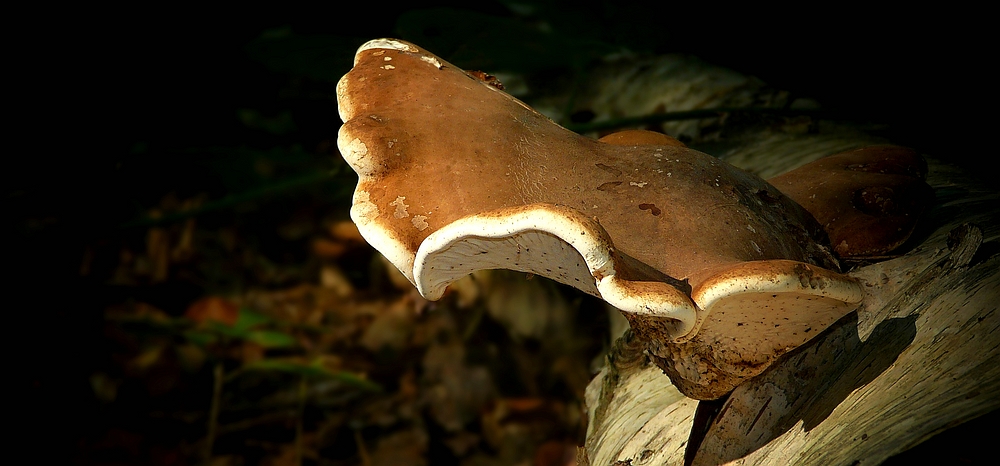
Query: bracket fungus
[[719, 272], [868, 200]]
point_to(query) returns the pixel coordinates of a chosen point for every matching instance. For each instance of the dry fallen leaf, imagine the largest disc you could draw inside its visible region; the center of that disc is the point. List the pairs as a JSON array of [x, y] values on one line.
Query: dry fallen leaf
[[556, 453], [328, 249], [454, 392], [333, 278], [346, 230], [392, 328], [527, 308], [213, 308], [407, 447]]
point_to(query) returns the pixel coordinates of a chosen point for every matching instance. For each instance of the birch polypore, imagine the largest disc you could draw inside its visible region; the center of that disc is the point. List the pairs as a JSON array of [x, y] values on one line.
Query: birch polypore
[[456, 176]]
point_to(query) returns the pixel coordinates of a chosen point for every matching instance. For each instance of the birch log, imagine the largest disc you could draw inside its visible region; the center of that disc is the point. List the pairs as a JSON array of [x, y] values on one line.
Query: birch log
[[919, 356]]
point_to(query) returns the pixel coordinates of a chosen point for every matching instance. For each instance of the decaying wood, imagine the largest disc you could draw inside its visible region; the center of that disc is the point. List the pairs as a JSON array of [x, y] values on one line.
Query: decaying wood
[[918, 357]]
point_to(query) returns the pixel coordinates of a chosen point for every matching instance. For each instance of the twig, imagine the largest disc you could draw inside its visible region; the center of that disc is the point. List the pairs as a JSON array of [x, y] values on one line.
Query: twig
[[690, 115], [366, 460], [298, 420], [283, 416], [470, 329], [213, 415]]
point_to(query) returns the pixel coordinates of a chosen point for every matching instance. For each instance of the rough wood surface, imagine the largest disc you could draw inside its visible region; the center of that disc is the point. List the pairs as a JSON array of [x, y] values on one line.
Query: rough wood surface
[[918, 357]]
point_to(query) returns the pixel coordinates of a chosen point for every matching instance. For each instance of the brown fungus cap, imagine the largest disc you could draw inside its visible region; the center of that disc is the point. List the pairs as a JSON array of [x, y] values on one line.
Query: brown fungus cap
[[636, 137], [457, 176], [868, 200], [752, 323]]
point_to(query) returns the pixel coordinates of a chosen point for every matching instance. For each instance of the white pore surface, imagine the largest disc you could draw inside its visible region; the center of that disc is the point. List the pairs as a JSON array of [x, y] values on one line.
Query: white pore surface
[[554, 242]]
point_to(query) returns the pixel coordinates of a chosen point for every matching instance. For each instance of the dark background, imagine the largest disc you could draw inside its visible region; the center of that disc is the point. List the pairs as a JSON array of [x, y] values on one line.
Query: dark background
[[113, 96], [112, 109]]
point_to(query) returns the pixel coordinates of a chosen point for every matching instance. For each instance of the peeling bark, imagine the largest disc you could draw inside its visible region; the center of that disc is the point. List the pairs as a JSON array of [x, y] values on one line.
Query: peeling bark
[[917, 358]]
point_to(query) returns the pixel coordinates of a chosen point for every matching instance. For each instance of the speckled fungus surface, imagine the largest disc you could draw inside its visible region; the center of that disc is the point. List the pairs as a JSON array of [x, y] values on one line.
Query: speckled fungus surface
[[716, 269], [868, 199]]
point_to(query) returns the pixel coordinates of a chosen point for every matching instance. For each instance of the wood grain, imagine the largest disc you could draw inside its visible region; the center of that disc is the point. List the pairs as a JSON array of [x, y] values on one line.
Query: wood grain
[[918, 357]]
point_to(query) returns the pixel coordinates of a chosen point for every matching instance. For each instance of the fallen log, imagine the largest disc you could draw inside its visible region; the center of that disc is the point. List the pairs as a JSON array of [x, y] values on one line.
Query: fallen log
[[918, 357]]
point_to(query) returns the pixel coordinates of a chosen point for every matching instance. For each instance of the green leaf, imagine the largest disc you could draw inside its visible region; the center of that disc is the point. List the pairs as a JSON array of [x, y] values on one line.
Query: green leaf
[[249, 319], [289, 367], [271, 339], [201, 337], [312, 371]]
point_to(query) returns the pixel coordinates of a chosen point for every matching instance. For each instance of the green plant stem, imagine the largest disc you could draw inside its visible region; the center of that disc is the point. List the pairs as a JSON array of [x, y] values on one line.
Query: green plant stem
[[213, 413], [298, 420]]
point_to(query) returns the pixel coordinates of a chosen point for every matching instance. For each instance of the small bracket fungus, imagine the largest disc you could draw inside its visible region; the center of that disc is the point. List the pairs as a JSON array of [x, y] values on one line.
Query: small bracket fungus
[[868, 200], [717, 270]]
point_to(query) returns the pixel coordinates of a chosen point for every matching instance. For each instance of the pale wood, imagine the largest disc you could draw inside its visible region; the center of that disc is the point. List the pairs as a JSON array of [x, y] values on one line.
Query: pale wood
[[921, 355]]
